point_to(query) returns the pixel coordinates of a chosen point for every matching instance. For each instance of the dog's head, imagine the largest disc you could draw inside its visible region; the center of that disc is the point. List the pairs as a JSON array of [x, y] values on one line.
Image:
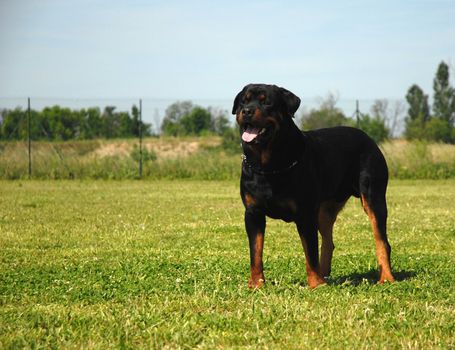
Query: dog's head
[[262, 111]]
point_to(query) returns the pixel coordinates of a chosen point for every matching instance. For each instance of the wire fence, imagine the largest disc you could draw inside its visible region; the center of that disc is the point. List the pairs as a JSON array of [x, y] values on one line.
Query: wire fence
[[47, 154]]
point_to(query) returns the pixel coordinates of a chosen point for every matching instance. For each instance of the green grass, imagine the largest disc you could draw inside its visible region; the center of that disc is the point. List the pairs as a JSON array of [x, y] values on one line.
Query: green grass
[[164, 264]]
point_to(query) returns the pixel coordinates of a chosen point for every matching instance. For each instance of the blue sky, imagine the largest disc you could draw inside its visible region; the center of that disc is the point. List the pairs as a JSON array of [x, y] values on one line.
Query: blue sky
[[210, 49]]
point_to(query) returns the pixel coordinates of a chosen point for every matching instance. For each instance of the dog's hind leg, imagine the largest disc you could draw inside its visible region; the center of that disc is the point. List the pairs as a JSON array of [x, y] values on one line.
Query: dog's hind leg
[[374, 204], [308, 233], [326, 219]]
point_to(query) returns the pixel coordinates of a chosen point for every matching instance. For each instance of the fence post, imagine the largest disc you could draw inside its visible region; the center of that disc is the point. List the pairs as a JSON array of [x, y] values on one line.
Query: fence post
[[140, 138], [29, 141]]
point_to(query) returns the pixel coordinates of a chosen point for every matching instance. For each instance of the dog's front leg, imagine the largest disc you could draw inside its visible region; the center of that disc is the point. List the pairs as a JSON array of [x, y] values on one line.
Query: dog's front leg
[[255, 228], [308, 232]]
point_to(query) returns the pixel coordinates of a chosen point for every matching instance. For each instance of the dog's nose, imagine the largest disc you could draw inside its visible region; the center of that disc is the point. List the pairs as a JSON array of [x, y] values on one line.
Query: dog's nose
[[247, 112]]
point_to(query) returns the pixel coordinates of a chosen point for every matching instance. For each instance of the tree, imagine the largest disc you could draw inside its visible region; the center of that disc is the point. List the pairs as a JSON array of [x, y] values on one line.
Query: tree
[[108, 122], [59, 123], [220, 123], [125, 126], [375, 127], [328, 115], [92, 126], [14, 124], [171, 124], [418, 104], [439, 126], [438, 129], [183, 118], [197, 121], [389, 114], [418, 112], [444, 95], [135, 123]]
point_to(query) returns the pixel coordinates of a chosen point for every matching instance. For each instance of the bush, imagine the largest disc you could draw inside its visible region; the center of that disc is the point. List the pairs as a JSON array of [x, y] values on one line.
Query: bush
[[415, 129], [434, 130], [328, 115], [439, 125], [61, 124], [147, 156], [325, 118], [197, 121], [374, 127], [437, 129], [231, 140], [418, 163], [212, 160], [182, 118]]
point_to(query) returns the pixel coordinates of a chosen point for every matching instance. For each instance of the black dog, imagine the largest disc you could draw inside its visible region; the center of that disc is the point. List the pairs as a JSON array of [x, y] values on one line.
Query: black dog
[[305, 177]]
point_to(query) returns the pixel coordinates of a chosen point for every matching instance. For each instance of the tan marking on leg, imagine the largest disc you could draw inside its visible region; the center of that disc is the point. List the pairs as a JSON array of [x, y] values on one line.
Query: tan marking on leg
[[249, 200], [313, 276], [382, 250], [257, 278], [326, 219], [326, 229]]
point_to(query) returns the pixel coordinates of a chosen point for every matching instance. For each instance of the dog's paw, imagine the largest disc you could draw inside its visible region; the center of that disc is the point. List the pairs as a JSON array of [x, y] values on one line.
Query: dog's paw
[[256, 283], [385, 275], [388, 279], [315, 281]]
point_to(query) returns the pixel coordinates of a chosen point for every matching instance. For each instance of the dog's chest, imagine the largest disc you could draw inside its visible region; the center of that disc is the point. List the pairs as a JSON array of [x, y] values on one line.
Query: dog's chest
[[274, 199]]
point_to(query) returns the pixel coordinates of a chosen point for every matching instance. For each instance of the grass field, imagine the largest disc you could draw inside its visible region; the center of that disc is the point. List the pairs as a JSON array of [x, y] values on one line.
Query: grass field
[[164, 264]]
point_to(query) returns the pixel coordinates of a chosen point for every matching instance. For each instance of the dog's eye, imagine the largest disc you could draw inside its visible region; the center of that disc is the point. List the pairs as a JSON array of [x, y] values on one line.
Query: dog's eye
[[263, 100]]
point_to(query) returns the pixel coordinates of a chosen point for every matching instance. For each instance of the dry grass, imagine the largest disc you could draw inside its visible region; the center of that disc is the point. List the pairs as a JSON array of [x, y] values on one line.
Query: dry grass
[[199, 157], [399, 151], [164, 147]]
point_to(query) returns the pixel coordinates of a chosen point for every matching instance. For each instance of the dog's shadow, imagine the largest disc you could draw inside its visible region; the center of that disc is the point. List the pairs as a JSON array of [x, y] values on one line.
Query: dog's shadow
[[369, 277]]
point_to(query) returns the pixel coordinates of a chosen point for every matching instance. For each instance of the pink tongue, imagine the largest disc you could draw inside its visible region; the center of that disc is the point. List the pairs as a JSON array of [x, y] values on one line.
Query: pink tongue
[[250, 134]]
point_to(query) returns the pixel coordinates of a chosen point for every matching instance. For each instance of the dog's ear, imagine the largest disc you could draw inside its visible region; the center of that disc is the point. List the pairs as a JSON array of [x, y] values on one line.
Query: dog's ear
[[237, 100], [292, 101]]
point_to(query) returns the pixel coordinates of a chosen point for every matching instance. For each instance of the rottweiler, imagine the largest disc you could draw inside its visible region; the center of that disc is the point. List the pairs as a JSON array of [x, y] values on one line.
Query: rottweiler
[[306, 178]]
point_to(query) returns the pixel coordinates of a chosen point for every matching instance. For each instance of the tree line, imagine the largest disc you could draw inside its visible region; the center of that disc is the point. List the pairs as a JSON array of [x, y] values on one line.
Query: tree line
[[59, 123], [379, 125], [183, 118], [421, 122], [435, 123]]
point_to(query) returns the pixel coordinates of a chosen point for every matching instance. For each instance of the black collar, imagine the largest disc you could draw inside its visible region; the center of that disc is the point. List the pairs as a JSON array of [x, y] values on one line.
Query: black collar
[[270, 172]]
